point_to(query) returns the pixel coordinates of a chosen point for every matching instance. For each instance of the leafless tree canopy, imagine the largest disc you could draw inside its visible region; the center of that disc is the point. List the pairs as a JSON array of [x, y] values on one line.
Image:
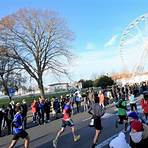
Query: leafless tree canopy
[[8, 69], [39, 40]]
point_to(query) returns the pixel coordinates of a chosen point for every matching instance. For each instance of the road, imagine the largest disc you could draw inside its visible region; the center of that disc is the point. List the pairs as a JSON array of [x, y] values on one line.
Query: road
[[41, 136]]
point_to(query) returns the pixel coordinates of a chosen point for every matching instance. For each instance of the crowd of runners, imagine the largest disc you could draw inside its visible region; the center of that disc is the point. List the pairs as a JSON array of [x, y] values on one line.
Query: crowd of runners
[[14, 116]]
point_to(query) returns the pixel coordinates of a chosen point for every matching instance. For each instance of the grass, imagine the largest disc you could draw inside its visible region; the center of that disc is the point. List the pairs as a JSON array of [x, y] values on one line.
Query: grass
[[29, 99]]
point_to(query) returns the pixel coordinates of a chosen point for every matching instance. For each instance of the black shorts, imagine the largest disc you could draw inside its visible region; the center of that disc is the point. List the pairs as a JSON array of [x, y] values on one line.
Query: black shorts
[[23, 134], [122, 118], [97, 123], [67, 123]]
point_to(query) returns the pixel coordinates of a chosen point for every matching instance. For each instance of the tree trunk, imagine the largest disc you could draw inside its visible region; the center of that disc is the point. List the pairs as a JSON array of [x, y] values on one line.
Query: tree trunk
[[5, 87], [41, 87]]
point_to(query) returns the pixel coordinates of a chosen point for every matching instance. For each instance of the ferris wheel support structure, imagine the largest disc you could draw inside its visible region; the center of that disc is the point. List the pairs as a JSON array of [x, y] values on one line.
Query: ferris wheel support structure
[[134, 41]]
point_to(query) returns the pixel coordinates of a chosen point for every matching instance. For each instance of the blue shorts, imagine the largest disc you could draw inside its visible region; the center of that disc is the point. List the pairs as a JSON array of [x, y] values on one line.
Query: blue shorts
[[23, 134]]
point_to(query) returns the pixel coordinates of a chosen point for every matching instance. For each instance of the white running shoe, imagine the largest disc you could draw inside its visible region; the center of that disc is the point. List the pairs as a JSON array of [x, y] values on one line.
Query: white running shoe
[[77, 138], [55, 143]]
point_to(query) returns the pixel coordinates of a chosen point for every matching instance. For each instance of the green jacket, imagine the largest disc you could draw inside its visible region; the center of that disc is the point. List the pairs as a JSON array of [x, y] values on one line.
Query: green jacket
[[122, 108]]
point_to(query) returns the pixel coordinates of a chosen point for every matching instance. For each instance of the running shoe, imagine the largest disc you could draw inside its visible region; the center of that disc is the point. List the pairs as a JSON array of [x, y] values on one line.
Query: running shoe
[[55, 143], [77, 138]]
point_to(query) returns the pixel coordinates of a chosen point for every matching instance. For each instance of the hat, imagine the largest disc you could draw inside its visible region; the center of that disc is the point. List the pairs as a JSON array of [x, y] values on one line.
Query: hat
[[133, 115], [18, 104], [23, 101], [136, 125], [12, 102]]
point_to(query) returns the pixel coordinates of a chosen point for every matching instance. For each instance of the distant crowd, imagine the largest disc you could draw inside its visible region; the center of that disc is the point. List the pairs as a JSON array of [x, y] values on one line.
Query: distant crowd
[[91, 100], [42, 108]]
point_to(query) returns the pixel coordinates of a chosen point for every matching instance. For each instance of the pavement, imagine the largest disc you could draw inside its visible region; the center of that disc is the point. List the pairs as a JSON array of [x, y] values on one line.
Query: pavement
[[41, 136]]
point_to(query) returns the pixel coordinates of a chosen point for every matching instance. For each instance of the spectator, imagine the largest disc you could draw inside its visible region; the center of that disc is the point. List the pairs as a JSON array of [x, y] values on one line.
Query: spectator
[[34, 110], [62, 100], [85, 101], [101, 98], [13, 107], [78, 101], [144, 104], [41, 110], [8, 118], [138, 134], [24, 113], [90, 96], [1, 119], [4, 117], [47, 109], [119, 142], [56, 107], [133, 104]]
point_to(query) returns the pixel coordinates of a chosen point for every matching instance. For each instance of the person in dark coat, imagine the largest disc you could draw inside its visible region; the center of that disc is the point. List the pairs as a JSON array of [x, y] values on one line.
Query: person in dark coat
[[24, 113], [56, 107], [1, 119], [8, 117], [47, 109], [41, 110]]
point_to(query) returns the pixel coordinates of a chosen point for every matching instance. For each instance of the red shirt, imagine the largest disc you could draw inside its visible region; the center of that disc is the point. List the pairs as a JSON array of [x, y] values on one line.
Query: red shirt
[[67, 112], [34, 107], [144, 104]]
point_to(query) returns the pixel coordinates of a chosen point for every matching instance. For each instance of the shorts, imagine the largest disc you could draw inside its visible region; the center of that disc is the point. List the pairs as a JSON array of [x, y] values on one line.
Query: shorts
[[67, 123], [122, 118], [23, 134], [97, 123]]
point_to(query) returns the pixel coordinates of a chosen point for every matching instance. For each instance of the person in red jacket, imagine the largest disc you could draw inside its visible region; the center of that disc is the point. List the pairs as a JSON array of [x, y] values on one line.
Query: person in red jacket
[[144, 104], [34, 110]]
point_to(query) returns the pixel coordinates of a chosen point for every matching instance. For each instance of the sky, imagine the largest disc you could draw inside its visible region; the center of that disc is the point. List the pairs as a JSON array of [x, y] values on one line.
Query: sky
[[97, 26]]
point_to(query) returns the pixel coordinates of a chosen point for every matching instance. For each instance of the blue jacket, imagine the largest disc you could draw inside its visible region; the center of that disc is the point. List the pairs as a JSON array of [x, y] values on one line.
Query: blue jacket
[[17, 123]]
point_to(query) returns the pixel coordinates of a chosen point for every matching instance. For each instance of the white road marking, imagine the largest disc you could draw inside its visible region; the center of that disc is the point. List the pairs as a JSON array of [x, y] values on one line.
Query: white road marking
[[87, 119], [107, 141]]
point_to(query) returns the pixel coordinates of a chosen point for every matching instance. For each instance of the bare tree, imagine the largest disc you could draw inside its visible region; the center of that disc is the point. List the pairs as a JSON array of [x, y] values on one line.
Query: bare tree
[[39, 40], [8, 69]]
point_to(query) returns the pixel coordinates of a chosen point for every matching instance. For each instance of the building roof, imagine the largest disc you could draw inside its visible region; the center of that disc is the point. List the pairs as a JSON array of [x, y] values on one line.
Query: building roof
[[58, 84]]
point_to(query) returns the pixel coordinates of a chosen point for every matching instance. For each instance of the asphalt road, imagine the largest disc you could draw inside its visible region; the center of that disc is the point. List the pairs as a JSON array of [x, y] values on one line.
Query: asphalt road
[[41, 136]]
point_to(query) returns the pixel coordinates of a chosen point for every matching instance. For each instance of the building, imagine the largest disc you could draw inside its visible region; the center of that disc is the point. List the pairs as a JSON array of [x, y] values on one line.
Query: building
[[127, 77], [58, 87]]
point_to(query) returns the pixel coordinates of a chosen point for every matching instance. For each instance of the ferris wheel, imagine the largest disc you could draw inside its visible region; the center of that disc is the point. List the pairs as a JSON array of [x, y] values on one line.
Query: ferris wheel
[[134, 45]]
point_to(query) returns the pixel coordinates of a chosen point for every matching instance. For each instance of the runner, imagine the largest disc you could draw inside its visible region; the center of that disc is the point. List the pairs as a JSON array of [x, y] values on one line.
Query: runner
[[66, 121], [121, 105], [18, 131], [96, 110]]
